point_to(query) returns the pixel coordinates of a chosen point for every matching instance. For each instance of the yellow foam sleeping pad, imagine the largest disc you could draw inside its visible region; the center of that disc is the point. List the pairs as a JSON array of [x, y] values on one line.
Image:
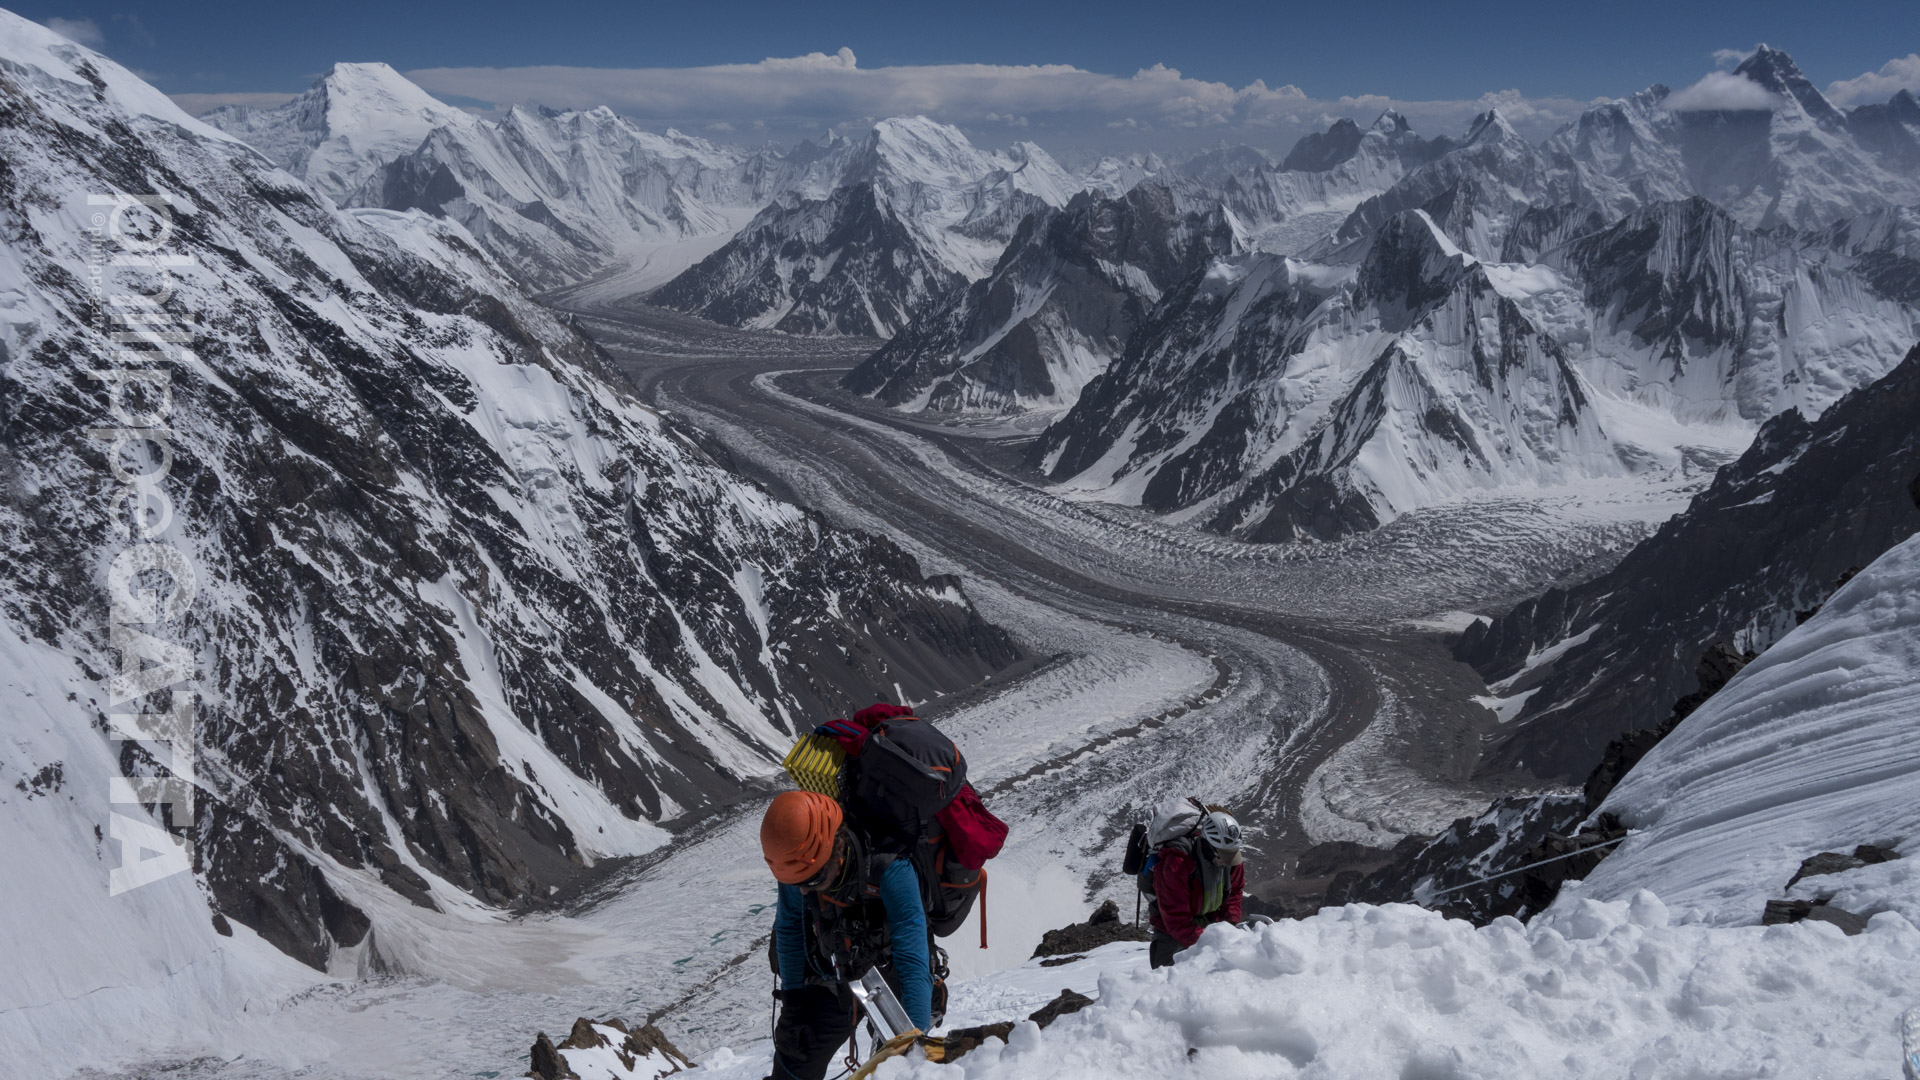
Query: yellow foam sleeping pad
[[815, 763]]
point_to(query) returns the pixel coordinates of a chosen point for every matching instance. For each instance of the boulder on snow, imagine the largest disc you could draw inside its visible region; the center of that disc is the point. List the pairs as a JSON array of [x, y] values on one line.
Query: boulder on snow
[[1793, 911], [1103, 927], [1068, 1003], [1834, 862], [1827, 862], [962, 1040], [607, 1050]]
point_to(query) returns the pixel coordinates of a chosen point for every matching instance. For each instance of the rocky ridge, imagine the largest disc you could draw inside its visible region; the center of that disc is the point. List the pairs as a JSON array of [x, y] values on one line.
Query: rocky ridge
[[468, 618], [1070, 289]]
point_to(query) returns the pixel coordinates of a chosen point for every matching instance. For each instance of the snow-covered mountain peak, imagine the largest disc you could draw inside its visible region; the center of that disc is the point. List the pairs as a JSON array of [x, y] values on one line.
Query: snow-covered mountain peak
[[1390, 122], [916, 149], [345, 127], [1491, 127], [374, 95], [36, 56], [1034, 171], [1774, 70], [1411, 266], [1115, 175]]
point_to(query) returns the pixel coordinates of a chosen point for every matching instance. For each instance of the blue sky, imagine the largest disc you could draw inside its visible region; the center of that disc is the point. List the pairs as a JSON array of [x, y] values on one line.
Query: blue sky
[[1334, 57]]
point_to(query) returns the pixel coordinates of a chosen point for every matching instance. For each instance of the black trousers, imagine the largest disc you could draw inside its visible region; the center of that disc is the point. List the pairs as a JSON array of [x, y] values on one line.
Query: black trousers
[[813, 1026], [1160, 951]]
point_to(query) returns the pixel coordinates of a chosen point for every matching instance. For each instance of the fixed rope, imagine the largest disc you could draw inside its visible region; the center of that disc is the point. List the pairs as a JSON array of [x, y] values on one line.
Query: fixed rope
[[1529, 866]]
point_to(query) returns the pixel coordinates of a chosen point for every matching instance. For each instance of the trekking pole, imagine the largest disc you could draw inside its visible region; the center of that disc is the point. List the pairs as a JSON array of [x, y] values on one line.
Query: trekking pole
[[1136, 903]]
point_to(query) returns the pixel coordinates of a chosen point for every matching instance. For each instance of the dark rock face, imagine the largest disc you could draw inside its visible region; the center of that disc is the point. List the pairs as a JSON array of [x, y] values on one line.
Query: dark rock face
[[447, 566], [1438, 872], [1103, 927], [1319, 151], [1891, 130], [1070, 289], [1512, 859], [846, 264], [547, 1063], [1716, 668], [1804, 504], [1542, 228]]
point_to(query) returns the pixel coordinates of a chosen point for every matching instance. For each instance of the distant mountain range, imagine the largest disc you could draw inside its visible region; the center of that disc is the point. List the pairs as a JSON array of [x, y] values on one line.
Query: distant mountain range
[[904, 216], [555, 197], [1279, 350]]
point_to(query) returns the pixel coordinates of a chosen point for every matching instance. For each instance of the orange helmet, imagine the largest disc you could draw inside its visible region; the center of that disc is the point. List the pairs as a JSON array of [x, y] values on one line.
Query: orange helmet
[[797, 834]]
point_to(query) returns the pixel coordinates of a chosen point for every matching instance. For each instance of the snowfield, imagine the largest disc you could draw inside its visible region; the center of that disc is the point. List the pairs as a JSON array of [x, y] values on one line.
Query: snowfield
[[1616, 989], [1813, 747]]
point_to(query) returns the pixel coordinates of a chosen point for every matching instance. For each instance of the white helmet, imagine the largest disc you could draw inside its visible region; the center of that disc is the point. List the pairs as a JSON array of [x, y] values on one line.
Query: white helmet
[[1220, 831]]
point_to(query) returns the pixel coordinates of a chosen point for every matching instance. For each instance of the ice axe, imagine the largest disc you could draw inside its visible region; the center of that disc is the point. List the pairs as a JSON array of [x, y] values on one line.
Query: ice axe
[[882, 1007], [884, 1011]]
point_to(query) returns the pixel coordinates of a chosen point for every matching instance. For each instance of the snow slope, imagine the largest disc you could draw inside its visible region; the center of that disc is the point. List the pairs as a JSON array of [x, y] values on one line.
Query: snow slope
[[1601, 990], [1815, 746], [147, 964], [466, 617]]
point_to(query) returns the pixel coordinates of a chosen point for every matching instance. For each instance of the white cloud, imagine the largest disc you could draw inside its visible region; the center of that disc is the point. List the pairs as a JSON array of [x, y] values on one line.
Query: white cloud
[[1722, 90], [1730, 58], [1068, 104], [1876, 86], [80, 31]]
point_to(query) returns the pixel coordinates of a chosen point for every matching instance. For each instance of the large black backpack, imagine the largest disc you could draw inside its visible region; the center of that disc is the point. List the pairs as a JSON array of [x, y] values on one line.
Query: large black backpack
[[905, 775], [894, 793]]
